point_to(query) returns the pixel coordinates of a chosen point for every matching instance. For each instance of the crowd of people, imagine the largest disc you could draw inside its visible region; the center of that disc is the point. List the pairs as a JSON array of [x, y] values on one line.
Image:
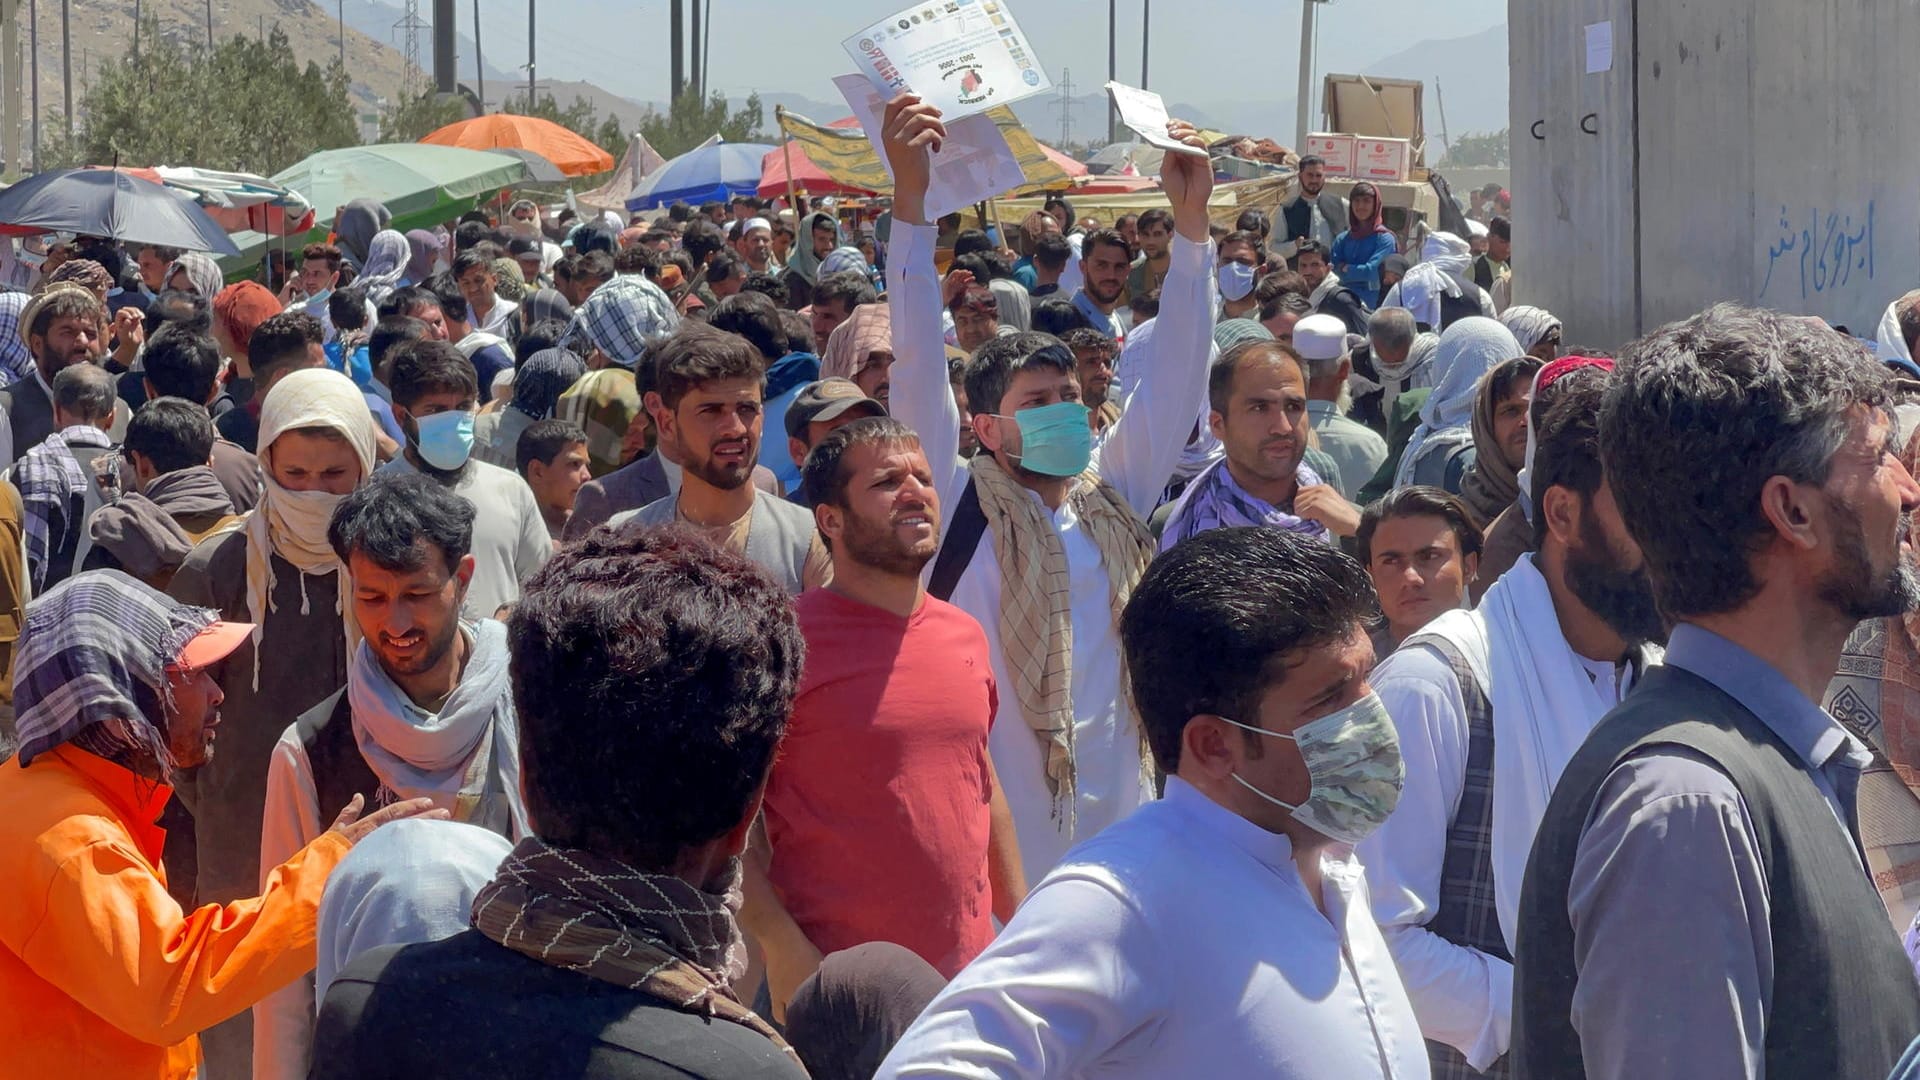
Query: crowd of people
[[1154, 649]]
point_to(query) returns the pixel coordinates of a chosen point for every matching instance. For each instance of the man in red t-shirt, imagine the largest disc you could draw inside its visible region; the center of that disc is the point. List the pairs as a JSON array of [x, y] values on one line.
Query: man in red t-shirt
[[884, 821]]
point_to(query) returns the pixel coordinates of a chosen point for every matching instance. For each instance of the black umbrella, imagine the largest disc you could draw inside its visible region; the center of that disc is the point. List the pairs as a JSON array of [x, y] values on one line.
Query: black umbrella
[[109, 203]]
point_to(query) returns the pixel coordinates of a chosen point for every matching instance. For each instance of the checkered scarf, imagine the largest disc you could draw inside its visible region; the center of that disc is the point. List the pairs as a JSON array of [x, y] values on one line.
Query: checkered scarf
[[1036, 617], [656, 933], [50, 478], [16, 360], [621, 315], [94, 651]]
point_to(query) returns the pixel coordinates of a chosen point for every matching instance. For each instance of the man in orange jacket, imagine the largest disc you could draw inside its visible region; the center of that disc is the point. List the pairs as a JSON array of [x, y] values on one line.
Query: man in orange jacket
[[101, 973]]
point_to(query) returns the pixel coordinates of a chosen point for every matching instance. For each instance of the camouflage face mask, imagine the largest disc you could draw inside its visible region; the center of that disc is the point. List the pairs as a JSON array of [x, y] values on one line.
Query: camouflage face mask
[[1353, 758]]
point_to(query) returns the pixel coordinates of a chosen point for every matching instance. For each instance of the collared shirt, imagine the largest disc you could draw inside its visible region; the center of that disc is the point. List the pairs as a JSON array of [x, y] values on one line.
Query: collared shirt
[[1668, 825], [496, 318], [1108, 322], [1357, 449], [1136, 457], [1180, 942]]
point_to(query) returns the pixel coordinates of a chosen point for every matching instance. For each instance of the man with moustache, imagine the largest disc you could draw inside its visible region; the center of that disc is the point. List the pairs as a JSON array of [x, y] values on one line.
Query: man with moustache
[[1105, 261], [710, 385], [1697, 903], [884, 820], [427, 712], [1497, 699]]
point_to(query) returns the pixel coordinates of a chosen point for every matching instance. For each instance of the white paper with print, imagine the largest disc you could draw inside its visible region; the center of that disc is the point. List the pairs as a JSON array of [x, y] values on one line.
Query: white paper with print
[[965, 56], [1146, 113], [974, 162]]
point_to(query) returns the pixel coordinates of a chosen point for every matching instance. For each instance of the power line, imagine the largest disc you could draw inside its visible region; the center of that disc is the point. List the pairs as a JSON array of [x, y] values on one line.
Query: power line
[[1065, 105]]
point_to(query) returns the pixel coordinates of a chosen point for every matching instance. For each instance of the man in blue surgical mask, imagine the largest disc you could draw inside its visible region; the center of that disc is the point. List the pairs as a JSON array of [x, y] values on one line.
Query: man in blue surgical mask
[[1223, 931], [1239, 272], [435, 396], [1047, 535]]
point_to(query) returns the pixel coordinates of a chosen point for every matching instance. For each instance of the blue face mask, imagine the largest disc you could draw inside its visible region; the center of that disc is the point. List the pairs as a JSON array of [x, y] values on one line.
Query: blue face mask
[[445, 439], [1236, 280], [1055, 440]]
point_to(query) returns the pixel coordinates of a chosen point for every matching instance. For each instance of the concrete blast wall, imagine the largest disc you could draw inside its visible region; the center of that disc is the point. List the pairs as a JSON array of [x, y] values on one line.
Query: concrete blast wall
[[1764, 151]]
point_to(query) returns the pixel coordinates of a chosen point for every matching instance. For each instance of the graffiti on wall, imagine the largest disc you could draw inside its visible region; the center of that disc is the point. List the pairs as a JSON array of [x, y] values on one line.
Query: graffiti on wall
[[1818, 251]]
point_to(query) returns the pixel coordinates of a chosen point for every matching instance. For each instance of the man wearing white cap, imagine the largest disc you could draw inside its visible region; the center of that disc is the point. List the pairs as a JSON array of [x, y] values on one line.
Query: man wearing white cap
[[1321, 341], [756, 246]]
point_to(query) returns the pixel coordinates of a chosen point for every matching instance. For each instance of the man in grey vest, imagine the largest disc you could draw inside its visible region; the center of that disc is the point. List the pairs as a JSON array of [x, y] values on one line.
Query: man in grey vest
[[1697, 903], [710, 385]]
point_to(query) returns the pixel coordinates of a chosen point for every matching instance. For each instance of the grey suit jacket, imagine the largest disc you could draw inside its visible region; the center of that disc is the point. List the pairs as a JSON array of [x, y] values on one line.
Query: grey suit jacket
[[631, 487]]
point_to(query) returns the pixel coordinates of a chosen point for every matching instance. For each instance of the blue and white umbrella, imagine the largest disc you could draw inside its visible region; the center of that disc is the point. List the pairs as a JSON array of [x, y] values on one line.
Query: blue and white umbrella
[[714, 172]]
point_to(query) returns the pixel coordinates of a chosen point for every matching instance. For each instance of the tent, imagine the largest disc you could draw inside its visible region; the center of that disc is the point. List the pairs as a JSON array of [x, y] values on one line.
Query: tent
[[639, 160]]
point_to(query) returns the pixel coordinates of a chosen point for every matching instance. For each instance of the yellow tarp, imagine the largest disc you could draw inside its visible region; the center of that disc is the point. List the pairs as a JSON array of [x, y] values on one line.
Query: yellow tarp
[[847, 156]]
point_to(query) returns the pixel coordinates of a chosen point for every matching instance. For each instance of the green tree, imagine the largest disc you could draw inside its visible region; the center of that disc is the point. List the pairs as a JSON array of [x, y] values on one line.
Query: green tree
[[409, 121], [1480, 150], [690, 122], [248, 105]]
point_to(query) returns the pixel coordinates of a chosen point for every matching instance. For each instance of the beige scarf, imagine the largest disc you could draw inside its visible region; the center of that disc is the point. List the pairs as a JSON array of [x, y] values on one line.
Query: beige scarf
[[1036, 620]]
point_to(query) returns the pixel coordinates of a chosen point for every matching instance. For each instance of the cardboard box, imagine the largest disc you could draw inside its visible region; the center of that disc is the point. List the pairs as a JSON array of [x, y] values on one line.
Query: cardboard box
[[1381, 159], [1336, 147]]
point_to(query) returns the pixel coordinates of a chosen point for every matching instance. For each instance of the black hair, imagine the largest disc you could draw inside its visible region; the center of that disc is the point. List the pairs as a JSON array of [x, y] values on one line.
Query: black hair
[[1061, 202], [1056, 315], [1311, 160], [401, 301], [1254, 221], [1052, 251], [281, 340], [479, 256], [848, 288], [1214, 622], [1418, 500], [597, 265], [822, 479], [768, 285], [543, 441], [1144, 305], [189, 309], [447, 295], [990, 373], [754, 317], [545, 334], [1501, 227], [1251, 239], [393, 517], [653, 676], [594, 238], [426, 366], [1712, 408], [171, 432], [1107, 237], [679, 211], [1220, 375], [470, 233], [637, 259], [1157, 216], [971, 241], [390, 333], [696, 355], [348, 308], [725, 265], [1566, 444], [1307, 246], [700, 240], [182, 363]]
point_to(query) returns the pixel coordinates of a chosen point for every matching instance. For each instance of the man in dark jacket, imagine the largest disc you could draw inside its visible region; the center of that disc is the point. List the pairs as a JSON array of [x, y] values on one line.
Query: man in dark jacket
[[1697, 902], [1314, 213], [640, 807], [173, 499]]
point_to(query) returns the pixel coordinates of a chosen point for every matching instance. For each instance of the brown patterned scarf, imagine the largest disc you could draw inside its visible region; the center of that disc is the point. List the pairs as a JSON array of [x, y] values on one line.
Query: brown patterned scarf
[[655, 933], [1036, 620]]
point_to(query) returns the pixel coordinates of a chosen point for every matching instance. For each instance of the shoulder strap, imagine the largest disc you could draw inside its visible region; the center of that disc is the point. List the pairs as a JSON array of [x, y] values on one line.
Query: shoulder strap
[[963, 539]]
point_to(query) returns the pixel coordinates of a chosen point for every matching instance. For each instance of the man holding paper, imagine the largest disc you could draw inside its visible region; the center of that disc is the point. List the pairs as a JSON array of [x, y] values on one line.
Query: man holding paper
[[1039, 500]]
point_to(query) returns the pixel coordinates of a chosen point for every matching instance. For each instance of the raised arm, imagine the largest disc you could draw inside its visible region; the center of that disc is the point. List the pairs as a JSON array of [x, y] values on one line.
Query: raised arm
[[1139, 456], [922, 395]]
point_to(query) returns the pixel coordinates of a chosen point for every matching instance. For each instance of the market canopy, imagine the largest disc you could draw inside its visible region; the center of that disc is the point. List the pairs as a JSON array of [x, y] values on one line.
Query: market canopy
[[714, 172], [639, 160], [568, 151], [421, 185], [807, 175], [844, 153]]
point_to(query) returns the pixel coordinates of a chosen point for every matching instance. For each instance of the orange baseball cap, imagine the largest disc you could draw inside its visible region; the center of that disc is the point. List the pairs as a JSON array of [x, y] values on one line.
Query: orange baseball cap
[[212, 645]]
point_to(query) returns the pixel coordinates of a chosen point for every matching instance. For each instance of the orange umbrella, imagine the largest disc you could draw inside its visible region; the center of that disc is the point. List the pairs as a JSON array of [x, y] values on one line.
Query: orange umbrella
[[570, 153]]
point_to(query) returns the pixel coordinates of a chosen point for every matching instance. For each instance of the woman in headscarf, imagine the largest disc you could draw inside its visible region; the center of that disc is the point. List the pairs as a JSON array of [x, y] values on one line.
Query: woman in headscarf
[[423, 259], [1442, 446], [803, 262], [356, 227], [1536, 329], [196, 273], [537, 386], [277, 571], [1492, 482], [861, 349], [1365, 244], [387, 258]]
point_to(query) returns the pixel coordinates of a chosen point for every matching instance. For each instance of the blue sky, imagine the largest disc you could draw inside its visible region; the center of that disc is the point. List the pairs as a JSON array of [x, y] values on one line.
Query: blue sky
[[1205, 51]]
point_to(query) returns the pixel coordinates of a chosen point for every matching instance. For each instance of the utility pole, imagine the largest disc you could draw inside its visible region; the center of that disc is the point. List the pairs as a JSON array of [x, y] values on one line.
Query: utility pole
[[1065, 105], [1446, 141], [209, 25], [1302, 106], [676, 20], [66, 61], [342, 6], [1113, 62], [1146, 32], [10, 96], [479, 68], [706, 48], [694, 67], [529, 57], [33, 33], [136, 29]]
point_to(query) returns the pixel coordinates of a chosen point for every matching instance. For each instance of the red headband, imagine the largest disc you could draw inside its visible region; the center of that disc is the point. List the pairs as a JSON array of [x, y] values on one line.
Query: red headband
[[1568, 364]]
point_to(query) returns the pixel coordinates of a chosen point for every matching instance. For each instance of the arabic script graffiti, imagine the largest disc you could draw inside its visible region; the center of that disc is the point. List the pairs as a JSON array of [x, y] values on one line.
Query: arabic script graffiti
[[1827, 250]]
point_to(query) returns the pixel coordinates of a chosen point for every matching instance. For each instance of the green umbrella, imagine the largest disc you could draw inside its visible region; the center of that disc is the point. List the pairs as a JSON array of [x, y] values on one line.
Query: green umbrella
[[421, 185]]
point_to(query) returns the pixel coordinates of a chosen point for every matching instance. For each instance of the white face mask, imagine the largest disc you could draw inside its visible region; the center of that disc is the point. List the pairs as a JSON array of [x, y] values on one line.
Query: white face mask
[[1236, 280], [1353, 759]]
